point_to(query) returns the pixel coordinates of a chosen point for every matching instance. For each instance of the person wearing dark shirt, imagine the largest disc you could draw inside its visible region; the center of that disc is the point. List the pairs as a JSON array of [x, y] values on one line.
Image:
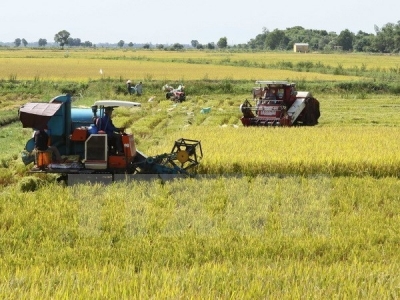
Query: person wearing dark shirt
[[41, 140], [42, 143], [113, 132]]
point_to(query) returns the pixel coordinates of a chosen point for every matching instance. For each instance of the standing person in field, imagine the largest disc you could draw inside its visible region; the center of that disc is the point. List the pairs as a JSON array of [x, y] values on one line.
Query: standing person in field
[[131, 89], [42, 143], [139, 89]]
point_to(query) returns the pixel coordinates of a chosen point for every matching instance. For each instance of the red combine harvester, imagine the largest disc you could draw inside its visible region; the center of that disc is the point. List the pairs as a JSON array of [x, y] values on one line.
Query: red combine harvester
[[176, 95], [279, 104]]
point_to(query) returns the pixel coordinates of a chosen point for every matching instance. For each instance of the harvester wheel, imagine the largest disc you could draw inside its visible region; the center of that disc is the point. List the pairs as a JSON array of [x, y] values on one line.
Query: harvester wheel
[[311, 112]]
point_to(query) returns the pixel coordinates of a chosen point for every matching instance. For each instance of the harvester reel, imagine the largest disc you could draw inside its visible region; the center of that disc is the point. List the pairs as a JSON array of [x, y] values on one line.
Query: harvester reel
[[186, 153]]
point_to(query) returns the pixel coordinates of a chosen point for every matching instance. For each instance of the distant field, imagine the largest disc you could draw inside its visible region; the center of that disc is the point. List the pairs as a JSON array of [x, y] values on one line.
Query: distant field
[[82, 65], [370, 61], [79, 69]]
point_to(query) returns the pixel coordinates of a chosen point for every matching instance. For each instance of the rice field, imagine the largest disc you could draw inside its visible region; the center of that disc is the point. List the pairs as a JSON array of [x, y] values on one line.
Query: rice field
[[78, 69], [297, 151], [276, 213], [83, 65], [369, 61], [262, 237]]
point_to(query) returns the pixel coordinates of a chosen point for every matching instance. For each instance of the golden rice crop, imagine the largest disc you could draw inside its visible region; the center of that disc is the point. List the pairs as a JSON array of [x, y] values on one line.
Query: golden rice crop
[[82, 65], [317, 150], [250, 237], [79, 69], [256, 238], [347, 60]]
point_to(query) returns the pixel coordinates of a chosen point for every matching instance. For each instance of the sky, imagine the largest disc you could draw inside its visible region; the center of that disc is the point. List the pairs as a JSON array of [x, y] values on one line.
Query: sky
[[181, 21]]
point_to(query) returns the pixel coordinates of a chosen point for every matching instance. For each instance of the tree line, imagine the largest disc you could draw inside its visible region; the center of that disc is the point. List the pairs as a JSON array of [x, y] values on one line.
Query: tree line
[[385, 40]]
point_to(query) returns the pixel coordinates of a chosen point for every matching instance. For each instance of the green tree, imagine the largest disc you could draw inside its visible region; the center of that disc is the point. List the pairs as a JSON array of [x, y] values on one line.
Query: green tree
[[222, 43], [24, 42], [363, 41], [74, 42], [177, 46], [345, 40], [130, 45], [42, 42], [121, 43], [17, 42], [276, 40], [387, 38], [211, 46], [62, 38], [194, 43], [379, 44], [87, 44], [396, 37], [323, 42], [259, 41]]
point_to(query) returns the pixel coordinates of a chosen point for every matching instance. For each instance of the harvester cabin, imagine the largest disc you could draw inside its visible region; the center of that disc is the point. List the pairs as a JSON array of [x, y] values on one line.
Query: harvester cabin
[[300, 47]]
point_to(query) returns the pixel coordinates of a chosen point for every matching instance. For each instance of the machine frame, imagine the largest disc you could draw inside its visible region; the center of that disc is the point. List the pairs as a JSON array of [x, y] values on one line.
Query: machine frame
[[278, 103], [87, 152]]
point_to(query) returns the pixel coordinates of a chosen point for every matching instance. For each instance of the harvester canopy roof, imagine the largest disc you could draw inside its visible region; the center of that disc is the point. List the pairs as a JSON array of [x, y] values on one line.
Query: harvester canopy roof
[[117, 103], [36, 115], [272, 83]]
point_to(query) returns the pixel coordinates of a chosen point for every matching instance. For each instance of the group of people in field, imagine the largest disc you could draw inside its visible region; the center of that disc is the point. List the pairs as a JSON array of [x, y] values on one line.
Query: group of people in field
[[134, 89]]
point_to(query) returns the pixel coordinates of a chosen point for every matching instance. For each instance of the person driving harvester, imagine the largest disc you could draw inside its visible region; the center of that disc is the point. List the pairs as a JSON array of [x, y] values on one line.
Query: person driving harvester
[[113, 132]]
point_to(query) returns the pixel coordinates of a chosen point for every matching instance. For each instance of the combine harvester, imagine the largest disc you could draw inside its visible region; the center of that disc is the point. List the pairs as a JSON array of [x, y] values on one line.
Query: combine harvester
[[277, 103], [176, 95], [87, 154]]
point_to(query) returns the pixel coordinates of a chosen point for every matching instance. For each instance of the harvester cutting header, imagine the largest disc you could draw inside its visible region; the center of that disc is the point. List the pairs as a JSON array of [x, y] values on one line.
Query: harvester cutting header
[[85, 152], [277, 103]]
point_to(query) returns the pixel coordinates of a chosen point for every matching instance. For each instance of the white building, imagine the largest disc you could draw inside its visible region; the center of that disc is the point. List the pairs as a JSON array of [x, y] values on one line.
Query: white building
[[300, 47]]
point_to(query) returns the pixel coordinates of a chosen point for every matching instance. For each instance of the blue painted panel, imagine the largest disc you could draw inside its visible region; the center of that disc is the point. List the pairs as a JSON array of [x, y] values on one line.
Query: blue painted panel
[[56, 125], [81, 114], [30, 145], [81, 117]]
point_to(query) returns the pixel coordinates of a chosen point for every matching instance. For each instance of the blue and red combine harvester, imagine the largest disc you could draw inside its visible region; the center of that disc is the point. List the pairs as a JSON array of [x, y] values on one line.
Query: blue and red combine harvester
[[277, 103], [87, 156]]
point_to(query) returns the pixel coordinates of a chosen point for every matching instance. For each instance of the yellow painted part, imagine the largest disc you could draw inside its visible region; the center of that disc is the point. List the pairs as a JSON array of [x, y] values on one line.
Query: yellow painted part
[[182, 156]]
